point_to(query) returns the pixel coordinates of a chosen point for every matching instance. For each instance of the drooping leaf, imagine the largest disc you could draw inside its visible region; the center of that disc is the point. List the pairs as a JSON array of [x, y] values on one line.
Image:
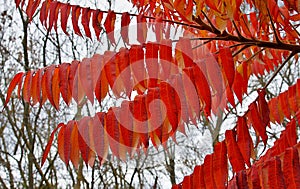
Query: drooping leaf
[[234, 154], [64, 15], [85, 20], [76, 11], [48, 146], [97, 18], [109, 25], [125, 20], [14, 82]]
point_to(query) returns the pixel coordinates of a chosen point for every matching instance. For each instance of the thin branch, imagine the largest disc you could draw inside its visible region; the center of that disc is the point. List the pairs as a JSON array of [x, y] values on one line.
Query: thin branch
[[273, 27]]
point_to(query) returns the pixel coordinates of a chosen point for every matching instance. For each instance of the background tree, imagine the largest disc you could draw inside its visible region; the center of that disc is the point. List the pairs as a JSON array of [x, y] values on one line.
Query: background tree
[[226, 45]]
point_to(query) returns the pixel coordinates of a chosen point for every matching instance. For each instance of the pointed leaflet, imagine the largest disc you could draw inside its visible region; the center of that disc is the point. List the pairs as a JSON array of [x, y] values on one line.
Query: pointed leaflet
[[112, 130], [140, 126], [64, 15], [110, 69], [257, 123], [35, 87], [220, 164], [284, 106], [109, 25], [27, 87], [184, 53], [67, 144], [53, 14], [191, 93], [85, 21], [55, 88], [86, 78], [100, 136], [64, 87], [168, 96], [44, 13], [14, 82], [61, 143], [136, 58], [126, 125], [84, 138], [275, 176], [74, 151], [244, 139], [227, 64], [186, 182], [291, 168], [241, 178], [263, 107], [97, 18], [154, 115], [31, 8], [48, 83], [75, 16], [72, 73], [165, 56], [122, 148], [141, 28], [48, 146], [78, 91], [125, 21], [234, 155], [198, 177], [152, 62], [122, 60], [209, 172]]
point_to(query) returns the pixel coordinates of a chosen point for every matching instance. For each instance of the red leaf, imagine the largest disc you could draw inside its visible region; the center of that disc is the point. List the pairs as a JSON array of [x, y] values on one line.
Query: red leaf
[[184, 52], [136, 58], [109, 25], [125, 21], [100, 136], [152, 62], [263, 107], [291, 168], [49, 83], [244, 139], [55, 88], [14, 82], [53, 9], [167, 95], [67, 141], [122, 60], [186, 183], [241, 178], [140, 122], [165, 56], [85, 20], [257, 123], [61, 144], [220, 164], [74, 151], [141, 28], [64, 87], [234, 155], [48, 146], [126, 125], [101, 89], [284, 105], [44, 13], [36, 87], [203, 89], [110, 68], [84, 138], [209, 172], [227, 64], [198, 177], [112, 129], [86, 78], [97, 18], [275, 176], [75, 15], [72, 74], [64, 15], [27, 87], [154, 115], [32, 8]]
